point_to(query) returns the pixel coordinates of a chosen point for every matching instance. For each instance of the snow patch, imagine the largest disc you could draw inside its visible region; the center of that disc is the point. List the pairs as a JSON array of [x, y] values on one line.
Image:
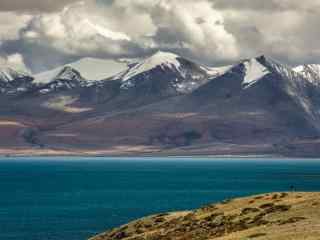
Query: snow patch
[[299, 69], [46, 77], [253, 72], [162, 59]]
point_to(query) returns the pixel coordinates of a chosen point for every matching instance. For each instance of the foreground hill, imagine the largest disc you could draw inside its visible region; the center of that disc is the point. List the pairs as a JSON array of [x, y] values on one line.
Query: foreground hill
[[165, 105], [277, 216]]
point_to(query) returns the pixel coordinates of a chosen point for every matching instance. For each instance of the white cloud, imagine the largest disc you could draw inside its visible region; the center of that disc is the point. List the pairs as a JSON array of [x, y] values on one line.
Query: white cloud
[[130, 27], [11, 23], [211, 31], [73, 31], [15, 61], [290, 35], [33, 5], [197, 27]]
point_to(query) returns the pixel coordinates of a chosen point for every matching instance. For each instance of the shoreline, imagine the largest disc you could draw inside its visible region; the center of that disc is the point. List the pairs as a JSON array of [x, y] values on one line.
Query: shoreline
[[144, 153], [185, 157]]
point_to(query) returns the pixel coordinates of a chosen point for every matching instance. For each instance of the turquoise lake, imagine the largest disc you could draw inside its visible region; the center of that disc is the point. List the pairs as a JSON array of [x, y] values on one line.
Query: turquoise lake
[[75, 198]]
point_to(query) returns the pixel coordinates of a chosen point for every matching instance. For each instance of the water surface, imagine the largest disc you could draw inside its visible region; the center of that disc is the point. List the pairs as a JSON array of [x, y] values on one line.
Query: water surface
[[74, 198]]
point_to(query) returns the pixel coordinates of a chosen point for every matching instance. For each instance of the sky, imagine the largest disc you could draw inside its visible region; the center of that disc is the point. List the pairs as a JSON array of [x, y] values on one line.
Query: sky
[[38, 35]]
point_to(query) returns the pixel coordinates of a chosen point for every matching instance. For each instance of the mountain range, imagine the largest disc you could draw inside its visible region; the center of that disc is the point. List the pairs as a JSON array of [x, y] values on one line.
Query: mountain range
[[162, 105]]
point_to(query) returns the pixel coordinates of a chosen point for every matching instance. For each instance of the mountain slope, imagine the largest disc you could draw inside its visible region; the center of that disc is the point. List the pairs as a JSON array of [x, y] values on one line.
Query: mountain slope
[[274, 216], [257, 106], [67, 78], [168, 73], [158, 77]]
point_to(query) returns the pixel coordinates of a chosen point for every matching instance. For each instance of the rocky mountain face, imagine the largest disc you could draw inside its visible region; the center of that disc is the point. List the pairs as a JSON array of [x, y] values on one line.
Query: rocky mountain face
[[164, 104], [67, 79], [165, 74], [13, 82], [311, 72]]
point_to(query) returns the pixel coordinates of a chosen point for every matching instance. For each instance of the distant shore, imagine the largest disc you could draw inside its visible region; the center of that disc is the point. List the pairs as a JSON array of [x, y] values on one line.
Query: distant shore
[[163, 156]]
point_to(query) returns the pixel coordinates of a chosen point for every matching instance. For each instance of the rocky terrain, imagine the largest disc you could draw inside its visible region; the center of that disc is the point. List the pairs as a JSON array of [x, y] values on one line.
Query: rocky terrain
[[162, 105], [276, 216]]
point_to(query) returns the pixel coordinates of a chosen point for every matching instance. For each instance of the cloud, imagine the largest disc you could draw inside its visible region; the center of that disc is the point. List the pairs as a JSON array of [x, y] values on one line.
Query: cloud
[[84, 29], [15, 61], [128, 28], [10, 25], [213, 32], [75, 31], [33, 5], [196, 27], [289, 35], [270, 5]]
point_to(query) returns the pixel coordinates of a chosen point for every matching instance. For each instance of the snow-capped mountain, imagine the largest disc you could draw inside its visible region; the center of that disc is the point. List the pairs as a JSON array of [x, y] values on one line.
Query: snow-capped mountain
[[13, 82], [254, 71], [168, 73], [263, 83], [9, 75], [67, 78], [264, 68], [298, 85], [165, 102], [91, 69]]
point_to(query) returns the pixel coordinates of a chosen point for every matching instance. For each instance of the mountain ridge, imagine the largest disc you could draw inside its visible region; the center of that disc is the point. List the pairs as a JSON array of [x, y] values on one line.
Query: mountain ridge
[[166, 104]]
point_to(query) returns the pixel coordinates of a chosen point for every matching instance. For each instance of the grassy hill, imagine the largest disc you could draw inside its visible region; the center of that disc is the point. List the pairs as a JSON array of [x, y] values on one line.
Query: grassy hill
[[276, 216]]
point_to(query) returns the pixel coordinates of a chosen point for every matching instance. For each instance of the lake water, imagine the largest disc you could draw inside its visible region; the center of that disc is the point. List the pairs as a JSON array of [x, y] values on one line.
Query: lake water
[[57, 198]]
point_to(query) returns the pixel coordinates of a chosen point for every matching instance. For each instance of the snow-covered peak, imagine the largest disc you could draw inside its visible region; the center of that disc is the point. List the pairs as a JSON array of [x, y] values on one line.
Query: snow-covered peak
[[91, 69], [8, 74], [256, 68], [46, 77], [160, 59], [68, 78], [164, 56], [61, 73], [254, 71], [69, 73]]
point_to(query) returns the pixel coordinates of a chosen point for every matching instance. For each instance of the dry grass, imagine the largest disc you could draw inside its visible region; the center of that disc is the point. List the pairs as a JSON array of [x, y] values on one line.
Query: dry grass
[[276, 216]]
